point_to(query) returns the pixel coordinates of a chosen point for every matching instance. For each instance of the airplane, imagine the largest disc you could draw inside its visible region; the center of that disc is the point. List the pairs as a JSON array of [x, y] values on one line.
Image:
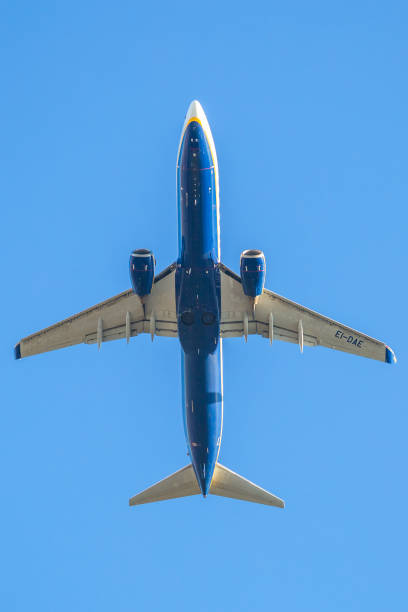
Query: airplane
[[200, 301]]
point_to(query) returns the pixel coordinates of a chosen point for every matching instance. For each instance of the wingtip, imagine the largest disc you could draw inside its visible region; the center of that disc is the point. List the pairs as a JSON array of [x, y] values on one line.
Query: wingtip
[[390, 355], [17, 351]]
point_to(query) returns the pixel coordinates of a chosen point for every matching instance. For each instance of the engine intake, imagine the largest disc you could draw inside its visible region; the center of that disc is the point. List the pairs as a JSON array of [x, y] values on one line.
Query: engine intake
[[253, 272], [141, 267]]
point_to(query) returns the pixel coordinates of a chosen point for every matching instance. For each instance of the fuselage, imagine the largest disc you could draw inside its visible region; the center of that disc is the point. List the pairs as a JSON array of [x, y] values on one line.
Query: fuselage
[[198, 294]]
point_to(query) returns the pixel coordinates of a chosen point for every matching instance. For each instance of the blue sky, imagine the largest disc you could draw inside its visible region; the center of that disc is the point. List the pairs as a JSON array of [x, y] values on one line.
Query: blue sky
[[308, 105]]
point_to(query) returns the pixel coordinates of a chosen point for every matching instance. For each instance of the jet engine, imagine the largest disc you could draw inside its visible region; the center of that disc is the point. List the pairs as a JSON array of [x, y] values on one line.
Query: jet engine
[[141, 267], [253, 272]]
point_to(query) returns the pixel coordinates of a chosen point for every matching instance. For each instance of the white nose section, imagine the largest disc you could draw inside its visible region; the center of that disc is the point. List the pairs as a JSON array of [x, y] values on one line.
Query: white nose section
[[195, 110]]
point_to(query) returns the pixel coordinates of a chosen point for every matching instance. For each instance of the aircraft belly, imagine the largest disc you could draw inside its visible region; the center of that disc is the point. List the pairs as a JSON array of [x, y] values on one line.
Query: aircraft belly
[[198, 301], [203, 408], [197, 199]]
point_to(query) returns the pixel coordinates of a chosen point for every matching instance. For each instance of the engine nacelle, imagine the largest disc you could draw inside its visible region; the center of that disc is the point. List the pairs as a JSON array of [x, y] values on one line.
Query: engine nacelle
[[141, 267], [253, 272]]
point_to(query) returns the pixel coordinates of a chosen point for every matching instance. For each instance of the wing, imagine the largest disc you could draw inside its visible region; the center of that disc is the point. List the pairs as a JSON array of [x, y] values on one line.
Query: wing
[[276, 317], [122, 316]]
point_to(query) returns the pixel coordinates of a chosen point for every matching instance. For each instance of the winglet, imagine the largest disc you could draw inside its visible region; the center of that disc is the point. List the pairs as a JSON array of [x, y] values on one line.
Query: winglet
[[390, 355], [17, 351]]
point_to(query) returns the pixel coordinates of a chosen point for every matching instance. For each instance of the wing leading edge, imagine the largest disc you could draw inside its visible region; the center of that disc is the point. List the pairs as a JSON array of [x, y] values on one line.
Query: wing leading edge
[[121, 316], [276, 317]]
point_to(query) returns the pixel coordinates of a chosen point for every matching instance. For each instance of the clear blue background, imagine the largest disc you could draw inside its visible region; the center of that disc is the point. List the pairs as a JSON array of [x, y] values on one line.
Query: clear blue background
[[308, 107]]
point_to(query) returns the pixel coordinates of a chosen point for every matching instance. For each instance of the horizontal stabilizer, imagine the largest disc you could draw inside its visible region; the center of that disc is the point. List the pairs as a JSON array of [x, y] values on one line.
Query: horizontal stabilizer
[[179, 484], [227, 483]]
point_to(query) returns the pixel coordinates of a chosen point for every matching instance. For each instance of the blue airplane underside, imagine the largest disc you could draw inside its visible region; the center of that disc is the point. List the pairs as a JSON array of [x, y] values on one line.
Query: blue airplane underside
[[200, 301]]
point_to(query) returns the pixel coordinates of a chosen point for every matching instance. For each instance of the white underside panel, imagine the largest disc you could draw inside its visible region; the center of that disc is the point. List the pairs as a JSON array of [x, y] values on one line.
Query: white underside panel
[[273, 317], [277, 318], [121, 316]]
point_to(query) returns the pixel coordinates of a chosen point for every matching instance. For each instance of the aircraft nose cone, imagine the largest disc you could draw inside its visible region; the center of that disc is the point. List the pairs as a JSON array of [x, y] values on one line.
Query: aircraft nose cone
[[195, 110]]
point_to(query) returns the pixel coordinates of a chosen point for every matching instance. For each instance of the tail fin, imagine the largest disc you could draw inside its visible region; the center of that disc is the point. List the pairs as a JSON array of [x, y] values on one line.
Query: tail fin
[[225, 483]]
